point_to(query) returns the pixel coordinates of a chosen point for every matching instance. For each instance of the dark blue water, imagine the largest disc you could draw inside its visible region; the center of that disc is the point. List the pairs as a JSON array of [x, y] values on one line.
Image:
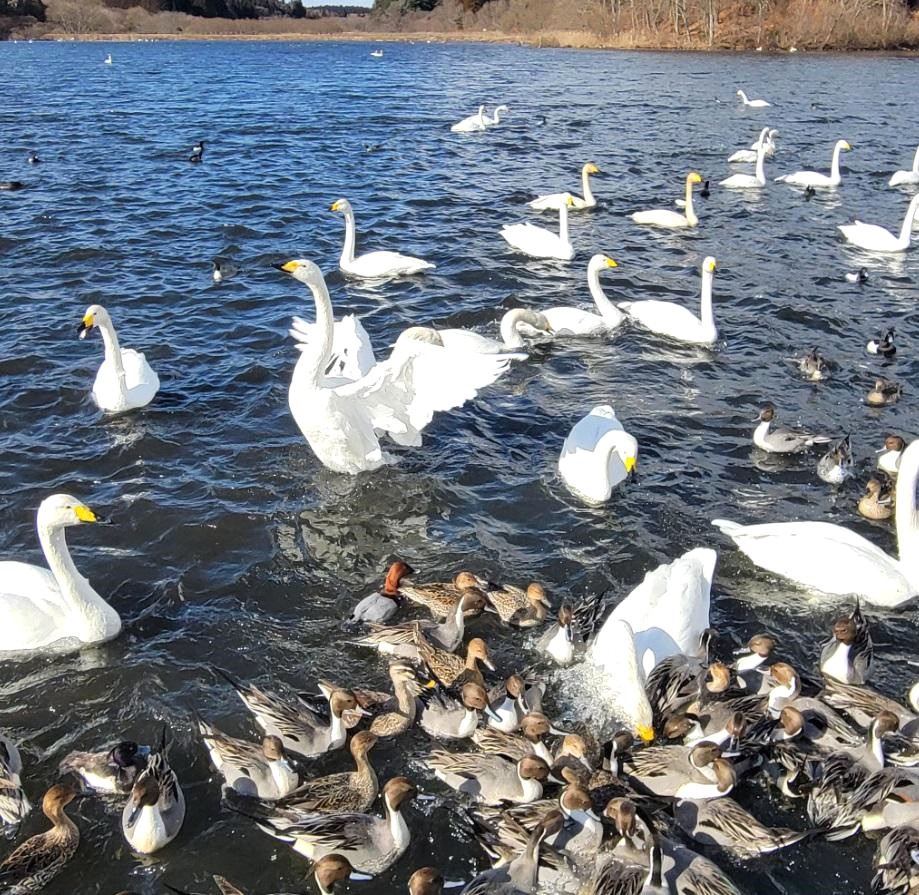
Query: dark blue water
[[234, 547]]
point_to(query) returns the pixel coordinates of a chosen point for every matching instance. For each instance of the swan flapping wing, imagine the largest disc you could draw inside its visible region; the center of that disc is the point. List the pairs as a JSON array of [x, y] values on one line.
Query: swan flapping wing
[[352, 351]]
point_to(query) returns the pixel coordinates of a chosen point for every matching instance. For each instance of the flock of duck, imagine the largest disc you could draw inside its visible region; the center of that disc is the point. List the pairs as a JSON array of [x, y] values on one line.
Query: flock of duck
[[625, 806]]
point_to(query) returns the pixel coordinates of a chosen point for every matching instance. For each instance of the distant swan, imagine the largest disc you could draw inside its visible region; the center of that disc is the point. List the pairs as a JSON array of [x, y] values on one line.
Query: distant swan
[[554, 201], [496, 119], [873, 238], [767, 136], [749, 181], [471, 124], [753, 103], [372, 265], [108, 59], [538, 242], [814, 178], [377, 54], [515, 324], [907, 178], [664, 217]]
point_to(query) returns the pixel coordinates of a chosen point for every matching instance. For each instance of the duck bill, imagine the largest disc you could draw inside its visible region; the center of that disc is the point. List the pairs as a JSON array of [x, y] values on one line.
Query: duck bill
[[132, 817], [359, 877], [491, 713], [489, 664]]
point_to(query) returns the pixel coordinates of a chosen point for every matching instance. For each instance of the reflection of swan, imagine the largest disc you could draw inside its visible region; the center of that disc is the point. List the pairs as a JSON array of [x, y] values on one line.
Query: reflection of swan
[[372, 265], [398, 396], [125, 380], [669, 319], [749, 181], [753, 103], [538, 242], [767, 136], [664, 217], [576, 322], [878, 239], [471, 124], [40, 607], [901, 178], [814, 178], [835, 560], [554, 201], [597, 455], [496, 119]]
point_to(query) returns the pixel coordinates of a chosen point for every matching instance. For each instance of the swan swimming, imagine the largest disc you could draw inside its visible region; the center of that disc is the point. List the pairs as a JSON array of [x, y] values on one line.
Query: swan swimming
[[873, 238], [753, 103], [597, 455], [569, 321], [496, 118], [664, 217], [667, 318], [125, 380], [398, 396], [554, 201], [814, 178], [372, 265], [41, 607], [906, 178], [538, 242], [749, 181], [834, 560], [767, 135], [472, 124]]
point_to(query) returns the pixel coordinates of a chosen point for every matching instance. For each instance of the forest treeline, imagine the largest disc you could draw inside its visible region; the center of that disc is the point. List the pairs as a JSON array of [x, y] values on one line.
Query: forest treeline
[[677, 24]]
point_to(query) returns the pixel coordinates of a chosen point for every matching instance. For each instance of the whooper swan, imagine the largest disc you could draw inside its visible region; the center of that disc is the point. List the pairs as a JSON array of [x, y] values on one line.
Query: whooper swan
[[767, 136], [873, 238], [749, 181], [496, 118], [753, 103], [471, 124], [538, 242], [814, 178], [664, 217], [565, 321], [554, 201], [907, 178]]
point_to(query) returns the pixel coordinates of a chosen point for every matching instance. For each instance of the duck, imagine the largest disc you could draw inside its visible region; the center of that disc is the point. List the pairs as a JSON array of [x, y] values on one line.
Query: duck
[[429, 881], [684, 772], [749, 181], [471, 123], [884, 393], [54, 607], [813, 366], [448, 668], [448, 717], [874, 238], [223, 270], [496, 116], [14, 803], [859, 276], [597, 455], [328, 873], [837, 464], [372, 844], [110, 770], [877, 501], [38, 860], [125, 381], [863, 704], [395, 714], [490, 779], [780, 439], [155, 812], [572, 321], [518, 607], [555, 201], [33, 158], [767, 136], [906, 178], [538, 242], [673, 220], [380, 606], [883, 345], [848, 653], [262, 770], [372, 265], [11, 185], [508, 704], [558, 643], [197, 152], [676, 322], [440, 597], [815, 179], [750, 659], [896, 861], [529, 741], [889, 455], [834, 560], [753, 103], [342, 422]]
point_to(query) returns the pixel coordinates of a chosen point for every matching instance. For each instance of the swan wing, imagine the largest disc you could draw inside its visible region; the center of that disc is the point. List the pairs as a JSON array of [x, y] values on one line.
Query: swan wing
[[386, 264], [869, 236], [743, 155], [585, 472], [667, 319], [475, 343], [805, 178], [661, 217], [352, 350], [536, 241], [574, 321], [141, 380], [31, 607], [740, 181], [900, 178], [555, 201]]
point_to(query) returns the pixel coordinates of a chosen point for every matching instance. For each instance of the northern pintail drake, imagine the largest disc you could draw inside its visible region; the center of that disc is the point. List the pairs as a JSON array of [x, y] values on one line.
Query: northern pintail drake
[[813, 366], [371, 843], [429, 881], [508, 704], [883, 345], [533, 727], [490, 778], [687, 772], [155, 811], [111, 770], [837, 464], [448, 717], [381, 605], [847, 655], [450, 669], [559, 641], [863, 704], [896, 861], [223, 270], [34, 863], [260, 770], [889, 455], [750, 660], [779, 439], [440, 597], [14, 804], [883, 393], [859, 276], [877, 501], [519, 607], [675, 682]]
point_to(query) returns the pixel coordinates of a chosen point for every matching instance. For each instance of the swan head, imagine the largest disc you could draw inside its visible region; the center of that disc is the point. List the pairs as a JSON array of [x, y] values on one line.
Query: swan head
[[95, 315], [343, 206], [709, 265], [598, 262], [590, 168], [694, 177], [843, 145], [60, 510], [305, 271], [420, 334]]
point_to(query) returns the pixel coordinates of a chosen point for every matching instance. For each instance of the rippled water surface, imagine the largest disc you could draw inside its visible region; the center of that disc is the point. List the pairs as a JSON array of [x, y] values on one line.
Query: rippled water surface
[[234, 547]]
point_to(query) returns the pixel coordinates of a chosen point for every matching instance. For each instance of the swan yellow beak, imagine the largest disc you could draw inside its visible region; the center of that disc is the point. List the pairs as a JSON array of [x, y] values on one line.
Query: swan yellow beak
[[695, 177], [847, 146], [288, 267], [335, 205], [591, 168], [609, 262], [85, 514], [630, 463], [85, 326], [710, 265], [646, 734]]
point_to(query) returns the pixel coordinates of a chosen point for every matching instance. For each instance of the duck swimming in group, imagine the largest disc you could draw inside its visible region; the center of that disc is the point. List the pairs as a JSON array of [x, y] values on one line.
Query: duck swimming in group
[[883, 345], [155, 811], [837, 464], [877, 501], [779, 439], [14, 803], [889, 456]]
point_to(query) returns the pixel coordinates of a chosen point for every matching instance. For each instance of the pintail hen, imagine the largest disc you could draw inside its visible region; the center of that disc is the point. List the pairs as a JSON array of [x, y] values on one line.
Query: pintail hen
[[447, 717], [533, 727], [516, 606], [155, 811], [779, 439], [863, 704], [877, 501], [381, 605], [884, 393], [33, 864], [847, 655], [14, 804], [813, 366], [490, 778], [113, 770], [440, 597], [450, 669]]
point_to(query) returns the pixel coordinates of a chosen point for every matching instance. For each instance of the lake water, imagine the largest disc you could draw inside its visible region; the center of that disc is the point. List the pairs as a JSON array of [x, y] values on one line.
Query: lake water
[[234, 547]]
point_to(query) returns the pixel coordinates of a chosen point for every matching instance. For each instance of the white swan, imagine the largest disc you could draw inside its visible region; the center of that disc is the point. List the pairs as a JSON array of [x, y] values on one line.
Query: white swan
[[877, 239], [664, 217], [372, 265], [125, 380], [597, 455], [907, 178], [496, 118], [515, 325], [668, 612], [568, 321], [814, 178], [554, 201], [753, 103], [398, 396], [41, 607], [108, 59], [834, 560], [538, 242], [471, 124], [669, 319], [767, 135], [749, 181], [352, 351]]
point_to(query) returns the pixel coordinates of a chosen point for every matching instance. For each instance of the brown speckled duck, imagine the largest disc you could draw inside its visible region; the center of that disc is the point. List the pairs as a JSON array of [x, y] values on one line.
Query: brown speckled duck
[[440, 597], [451, 669]]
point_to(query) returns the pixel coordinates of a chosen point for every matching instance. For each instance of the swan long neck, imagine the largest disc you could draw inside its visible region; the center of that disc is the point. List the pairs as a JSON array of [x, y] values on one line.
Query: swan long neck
[[347, 250], [907, 228], [690, 211], [763, 134], [607, 444], [563, 222], [834, 168], [113, 352], [313, 360], [706, 312], [907, 519], [606, 308], [760, 168], [743, 96], [585, 186], [916, 161]]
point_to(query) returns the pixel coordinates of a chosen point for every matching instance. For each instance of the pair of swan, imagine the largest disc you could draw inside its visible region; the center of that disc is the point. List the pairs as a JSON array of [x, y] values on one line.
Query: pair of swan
[[814, 178], [767, 135], [874, 238], [125, 380], [907, 178], [538, 242], [372, 265], [664, 217], [342, 419], [478, 122], [676, 322], [753, 103], [554, 201], [749, 181]]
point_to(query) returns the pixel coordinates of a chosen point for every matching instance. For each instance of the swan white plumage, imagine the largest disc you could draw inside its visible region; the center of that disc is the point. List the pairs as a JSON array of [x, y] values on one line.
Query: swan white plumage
[[398, 396], [597, 455], [568, 321], [517, 325], [906, 178], [538, 242], [873, 238], [668, 612], [462, 340], [41, 607], [753, 103], [471, 124], [749, 181], [664, 217], [834, 560], [125, 380], [352, 351], [554, 201], [815, 178], [496, 118], [669, 319], [372, 265], [767, 135]]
